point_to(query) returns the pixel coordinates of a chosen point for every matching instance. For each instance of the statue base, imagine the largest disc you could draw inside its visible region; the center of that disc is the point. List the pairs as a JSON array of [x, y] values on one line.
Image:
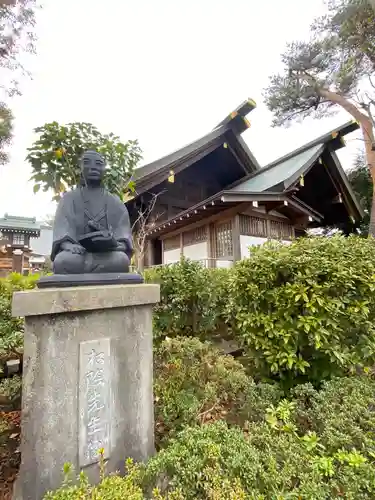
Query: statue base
[[87, 382], [92, 279]]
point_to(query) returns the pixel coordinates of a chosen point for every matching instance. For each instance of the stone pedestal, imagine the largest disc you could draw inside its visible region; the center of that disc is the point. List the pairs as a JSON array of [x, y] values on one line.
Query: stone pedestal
[[87, 381], [17, 263]]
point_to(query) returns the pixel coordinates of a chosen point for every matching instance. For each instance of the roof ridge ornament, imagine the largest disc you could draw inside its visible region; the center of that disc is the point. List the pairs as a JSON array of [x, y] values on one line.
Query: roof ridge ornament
[[237, 118]]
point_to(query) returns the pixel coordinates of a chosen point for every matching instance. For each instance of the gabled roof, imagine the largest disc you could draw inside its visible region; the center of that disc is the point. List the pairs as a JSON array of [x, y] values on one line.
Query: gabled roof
[[233, 125], [281, 173], [274, 183], [178, 155], [25, 224]]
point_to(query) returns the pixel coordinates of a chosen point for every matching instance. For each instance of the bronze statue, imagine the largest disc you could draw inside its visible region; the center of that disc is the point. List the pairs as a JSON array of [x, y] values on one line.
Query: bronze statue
[[92, 232]]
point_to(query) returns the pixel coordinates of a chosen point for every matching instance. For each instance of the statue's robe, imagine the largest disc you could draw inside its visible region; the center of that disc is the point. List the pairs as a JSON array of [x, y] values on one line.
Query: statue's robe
[[80, 205]]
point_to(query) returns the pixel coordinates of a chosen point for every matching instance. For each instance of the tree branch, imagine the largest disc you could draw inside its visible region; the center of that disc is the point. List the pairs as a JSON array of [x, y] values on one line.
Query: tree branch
[[367, 108], [345, 104], [140, 229], [364, 121]]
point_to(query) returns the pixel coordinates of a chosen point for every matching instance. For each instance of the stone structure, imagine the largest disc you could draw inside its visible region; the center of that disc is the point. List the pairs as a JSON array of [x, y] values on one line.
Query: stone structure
[[91, 232], [87, 381]]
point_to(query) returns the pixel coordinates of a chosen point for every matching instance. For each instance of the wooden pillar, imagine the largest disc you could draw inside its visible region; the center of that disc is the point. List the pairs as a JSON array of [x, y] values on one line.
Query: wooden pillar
[[211, 245], [268, 229], [236, 238], [148, 258], [181, 244]]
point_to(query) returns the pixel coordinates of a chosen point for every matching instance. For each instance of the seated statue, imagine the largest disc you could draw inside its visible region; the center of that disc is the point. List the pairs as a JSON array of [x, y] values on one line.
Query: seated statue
[[92, 231]]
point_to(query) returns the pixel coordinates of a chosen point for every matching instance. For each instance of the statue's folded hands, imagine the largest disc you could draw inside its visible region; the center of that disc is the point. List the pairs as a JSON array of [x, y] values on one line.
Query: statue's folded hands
[[67, 246]]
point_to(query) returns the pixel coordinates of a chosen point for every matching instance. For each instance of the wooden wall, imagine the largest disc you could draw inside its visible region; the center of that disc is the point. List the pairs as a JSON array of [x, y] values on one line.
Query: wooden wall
[[223, 235]]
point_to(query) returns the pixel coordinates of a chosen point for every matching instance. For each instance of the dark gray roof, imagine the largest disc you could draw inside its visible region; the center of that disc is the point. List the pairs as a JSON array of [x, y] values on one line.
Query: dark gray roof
[[178, 155], [235, 121]]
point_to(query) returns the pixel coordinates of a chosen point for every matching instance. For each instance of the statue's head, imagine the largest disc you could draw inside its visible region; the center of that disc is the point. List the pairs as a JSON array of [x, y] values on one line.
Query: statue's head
[[92, 167]]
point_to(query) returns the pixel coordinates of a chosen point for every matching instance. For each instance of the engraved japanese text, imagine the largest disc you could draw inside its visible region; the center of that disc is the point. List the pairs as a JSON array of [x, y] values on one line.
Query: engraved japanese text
[[94, 400]]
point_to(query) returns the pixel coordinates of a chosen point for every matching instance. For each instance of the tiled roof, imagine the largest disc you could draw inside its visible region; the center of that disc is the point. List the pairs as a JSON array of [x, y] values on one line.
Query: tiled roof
[[27, 224]]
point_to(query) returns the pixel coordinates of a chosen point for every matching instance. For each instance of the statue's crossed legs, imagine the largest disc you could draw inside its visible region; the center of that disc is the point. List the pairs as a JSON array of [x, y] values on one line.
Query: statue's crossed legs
[[75, 263]]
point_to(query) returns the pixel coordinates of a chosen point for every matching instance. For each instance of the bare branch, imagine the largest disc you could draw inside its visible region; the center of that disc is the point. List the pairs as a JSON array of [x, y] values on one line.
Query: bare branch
[[141, 227], [143, 215]]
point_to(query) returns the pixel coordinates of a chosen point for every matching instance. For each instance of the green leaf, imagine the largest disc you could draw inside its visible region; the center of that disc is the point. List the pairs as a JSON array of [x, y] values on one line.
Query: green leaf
[[73, 139]]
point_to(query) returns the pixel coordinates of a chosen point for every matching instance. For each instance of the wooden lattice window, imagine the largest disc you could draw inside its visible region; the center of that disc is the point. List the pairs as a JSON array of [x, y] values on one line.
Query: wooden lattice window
[[253, 226], [172, 243], [280, 230], [224, 240], [197, 235], [18, 239]]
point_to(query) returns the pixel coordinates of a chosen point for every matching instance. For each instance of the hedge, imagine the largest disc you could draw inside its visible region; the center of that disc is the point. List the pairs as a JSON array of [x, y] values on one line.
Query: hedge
[[306, 311], [192, 301], [11, 329]]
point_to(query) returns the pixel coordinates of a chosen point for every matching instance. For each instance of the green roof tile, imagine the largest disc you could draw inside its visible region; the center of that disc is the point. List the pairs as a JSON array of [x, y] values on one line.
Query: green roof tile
[[278, 173], [20, 223]]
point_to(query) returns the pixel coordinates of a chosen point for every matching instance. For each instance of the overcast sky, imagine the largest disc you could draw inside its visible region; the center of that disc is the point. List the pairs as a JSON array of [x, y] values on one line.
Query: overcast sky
[[164, 72]]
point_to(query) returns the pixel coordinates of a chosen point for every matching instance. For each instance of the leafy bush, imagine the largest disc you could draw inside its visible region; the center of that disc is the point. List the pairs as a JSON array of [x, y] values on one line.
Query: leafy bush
[[11, 329], [342, 413], [310, 447], [192, 300], [288, 456], [262, 462], [110, 487], [194, 383], [306, 311], [10, 387]]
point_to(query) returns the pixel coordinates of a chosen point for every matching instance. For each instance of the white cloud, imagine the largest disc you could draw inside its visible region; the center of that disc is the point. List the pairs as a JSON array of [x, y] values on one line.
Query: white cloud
[[163, 72]]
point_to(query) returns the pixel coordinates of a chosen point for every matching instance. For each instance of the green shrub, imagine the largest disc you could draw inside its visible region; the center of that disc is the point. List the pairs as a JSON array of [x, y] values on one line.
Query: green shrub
[[312, 447], [303, 449], [10, 387], [195, 383], [342, 413], [306, 311], [109, 488], [192, 300], [263, 462], [11, 329]]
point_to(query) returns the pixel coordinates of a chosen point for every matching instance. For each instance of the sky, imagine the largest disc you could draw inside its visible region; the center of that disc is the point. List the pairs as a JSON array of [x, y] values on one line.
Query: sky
[[164, 72]]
